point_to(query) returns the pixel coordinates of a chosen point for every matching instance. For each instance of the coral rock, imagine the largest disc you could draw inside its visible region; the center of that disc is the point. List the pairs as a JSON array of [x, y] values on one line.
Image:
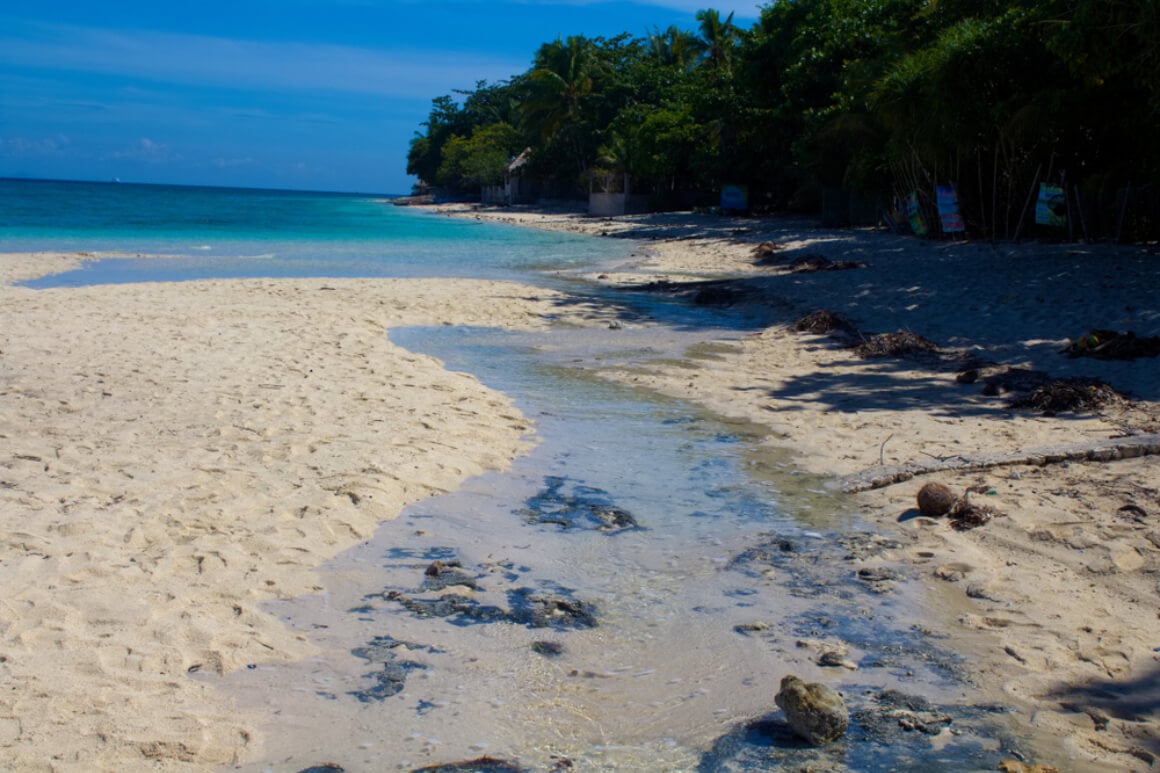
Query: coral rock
[[815, 712]]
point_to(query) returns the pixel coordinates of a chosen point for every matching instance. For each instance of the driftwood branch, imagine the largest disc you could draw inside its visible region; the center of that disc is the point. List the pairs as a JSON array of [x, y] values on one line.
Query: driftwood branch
[[882, 449], [1092, 451]]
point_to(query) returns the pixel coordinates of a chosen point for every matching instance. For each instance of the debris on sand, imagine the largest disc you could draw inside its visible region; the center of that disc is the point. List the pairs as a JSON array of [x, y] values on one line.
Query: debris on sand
[[969, 516], [447, 574], [897, 344], [1013, 380], [936, 500], [478, 765], [808, 264], [822, 322], [1015, 766], [766, 252], [965, 514], [1113, 345], [1072, 395]]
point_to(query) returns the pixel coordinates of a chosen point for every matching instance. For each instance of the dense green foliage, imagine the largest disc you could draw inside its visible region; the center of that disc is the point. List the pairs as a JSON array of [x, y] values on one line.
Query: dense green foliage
[[871, 98]]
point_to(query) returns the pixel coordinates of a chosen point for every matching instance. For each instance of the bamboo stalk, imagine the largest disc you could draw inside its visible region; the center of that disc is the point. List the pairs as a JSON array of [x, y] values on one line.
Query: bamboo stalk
[[1123, 212], [982, 205], [1067, 200], [1030, 194], [995, 193], [1082, 220]]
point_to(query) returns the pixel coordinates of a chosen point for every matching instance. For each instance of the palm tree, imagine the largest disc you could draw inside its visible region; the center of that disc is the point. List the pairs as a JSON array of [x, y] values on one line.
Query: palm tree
[[561, 78], [718, 39], [559, 95], [674, 47]]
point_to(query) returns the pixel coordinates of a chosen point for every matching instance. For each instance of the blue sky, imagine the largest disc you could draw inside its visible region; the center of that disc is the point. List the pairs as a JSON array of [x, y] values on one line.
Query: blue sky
[[307, 94]]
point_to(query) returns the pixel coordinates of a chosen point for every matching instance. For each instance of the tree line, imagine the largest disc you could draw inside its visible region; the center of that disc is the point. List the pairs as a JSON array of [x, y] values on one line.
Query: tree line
[[856, 101]]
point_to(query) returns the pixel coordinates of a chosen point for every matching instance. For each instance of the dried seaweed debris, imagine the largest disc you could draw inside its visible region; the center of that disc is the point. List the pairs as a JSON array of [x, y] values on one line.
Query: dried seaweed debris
[[823, 321], [897, 344], [1113, 345], [1070, 395], [811, 263]]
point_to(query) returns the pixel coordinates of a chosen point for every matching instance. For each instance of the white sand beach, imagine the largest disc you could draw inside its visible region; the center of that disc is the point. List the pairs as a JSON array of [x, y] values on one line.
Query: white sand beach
[[175, 454]]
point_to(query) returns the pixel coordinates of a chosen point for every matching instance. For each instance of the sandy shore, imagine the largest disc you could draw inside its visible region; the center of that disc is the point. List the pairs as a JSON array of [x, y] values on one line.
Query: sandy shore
[[1060, 595], [176, 454]]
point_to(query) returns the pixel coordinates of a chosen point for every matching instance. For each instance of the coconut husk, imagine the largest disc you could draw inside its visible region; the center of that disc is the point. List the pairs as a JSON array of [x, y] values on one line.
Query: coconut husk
[[1070, 395], [897, 344], [936, 500]]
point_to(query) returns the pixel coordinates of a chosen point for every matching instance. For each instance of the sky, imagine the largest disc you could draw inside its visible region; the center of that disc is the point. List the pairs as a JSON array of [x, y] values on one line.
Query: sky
[[301, 94]]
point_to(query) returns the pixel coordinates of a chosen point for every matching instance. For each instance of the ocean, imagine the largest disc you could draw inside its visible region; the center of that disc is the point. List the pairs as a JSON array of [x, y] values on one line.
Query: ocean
[[222, 233]]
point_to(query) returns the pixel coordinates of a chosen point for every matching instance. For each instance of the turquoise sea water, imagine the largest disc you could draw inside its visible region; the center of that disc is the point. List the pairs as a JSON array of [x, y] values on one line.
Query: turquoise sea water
[[231, 232]]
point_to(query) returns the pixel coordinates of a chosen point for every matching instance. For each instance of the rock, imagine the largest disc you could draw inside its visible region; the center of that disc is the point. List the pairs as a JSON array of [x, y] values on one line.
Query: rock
[[447, 574], [549, 649], [936, 500], [928, 722], [613, 518], [767, 251], [815, 712], [873, 574], [544, 610], [953, 572], [836, 658], [479, 765], [1015, 766]]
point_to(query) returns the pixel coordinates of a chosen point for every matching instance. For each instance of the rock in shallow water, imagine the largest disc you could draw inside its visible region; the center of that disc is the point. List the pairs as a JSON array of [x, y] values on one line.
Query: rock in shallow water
[[814, 712]]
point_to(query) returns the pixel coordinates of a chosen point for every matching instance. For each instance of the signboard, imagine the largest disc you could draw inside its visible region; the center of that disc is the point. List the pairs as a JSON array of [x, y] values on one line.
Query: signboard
[[948, 210], [914, 215], [1051, 208], [734, 198]]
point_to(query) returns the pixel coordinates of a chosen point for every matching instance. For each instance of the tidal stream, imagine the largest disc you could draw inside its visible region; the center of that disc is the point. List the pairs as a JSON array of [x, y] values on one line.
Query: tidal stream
[[627, 597]]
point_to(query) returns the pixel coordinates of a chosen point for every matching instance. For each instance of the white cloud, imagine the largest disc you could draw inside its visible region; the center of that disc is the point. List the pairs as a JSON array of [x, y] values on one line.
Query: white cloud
[[145, 149], [232, 163], [250, 64], [740, 10], [39, 147]]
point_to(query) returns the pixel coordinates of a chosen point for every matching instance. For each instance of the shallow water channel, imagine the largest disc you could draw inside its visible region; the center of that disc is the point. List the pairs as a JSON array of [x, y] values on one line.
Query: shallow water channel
[[626, 598]]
